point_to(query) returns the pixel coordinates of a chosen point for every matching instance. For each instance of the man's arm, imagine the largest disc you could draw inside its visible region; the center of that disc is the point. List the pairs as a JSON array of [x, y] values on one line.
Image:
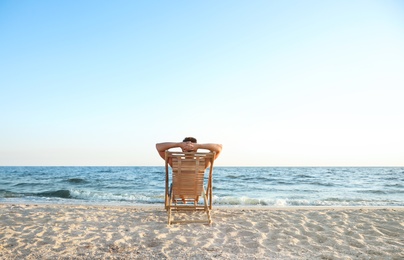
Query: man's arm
[[211, 147], [162, 147]]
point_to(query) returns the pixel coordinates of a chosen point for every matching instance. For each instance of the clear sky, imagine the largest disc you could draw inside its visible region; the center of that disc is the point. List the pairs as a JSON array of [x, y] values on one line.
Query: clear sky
[[278, 83]]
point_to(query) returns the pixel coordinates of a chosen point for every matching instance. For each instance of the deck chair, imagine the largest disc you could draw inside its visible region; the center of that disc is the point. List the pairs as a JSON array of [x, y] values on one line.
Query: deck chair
[[187, 184]]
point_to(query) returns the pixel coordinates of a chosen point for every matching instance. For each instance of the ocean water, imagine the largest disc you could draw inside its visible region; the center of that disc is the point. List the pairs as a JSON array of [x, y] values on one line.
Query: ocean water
[[232, 186]]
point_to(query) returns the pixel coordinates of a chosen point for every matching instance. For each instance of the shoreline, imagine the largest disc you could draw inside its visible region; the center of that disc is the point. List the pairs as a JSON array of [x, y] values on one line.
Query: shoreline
[[229, 207], [58, 231]]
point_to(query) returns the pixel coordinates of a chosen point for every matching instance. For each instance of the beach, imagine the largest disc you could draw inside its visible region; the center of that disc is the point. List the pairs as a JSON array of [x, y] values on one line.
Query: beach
[[50, 231]]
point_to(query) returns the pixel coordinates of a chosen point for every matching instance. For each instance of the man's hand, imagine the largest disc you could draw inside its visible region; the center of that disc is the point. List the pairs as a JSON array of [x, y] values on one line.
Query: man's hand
[[188, 147]]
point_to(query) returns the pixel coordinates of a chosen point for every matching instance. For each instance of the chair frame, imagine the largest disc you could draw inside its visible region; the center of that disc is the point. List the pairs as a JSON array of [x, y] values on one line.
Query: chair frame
[[191, 163]]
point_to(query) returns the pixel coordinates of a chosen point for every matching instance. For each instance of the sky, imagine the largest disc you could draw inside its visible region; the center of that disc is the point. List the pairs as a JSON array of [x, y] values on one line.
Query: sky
[[277, 83]]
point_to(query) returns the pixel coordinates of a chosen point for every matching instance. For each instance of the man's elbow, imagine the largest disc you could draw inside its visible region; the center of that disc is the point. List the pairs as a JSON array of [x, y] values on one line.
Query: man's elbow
[[158, 147], [218, 149]]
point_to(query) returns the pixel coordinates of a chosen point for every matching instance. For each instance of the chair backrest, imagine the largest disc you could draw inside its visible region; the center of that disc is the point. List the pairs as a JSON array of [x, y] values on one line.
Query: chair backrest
[[188, 170]]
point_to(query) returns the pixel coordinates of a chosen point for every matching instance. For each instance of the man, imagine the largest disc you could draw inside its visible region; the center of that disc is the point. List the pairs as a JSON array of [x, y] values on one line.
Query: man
[[189, 144]]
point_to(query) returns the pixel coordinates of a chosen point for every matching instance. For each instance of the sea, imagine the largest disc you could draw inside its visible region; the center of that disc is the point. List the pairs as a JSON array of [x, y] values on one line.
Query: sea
[[232, 186]]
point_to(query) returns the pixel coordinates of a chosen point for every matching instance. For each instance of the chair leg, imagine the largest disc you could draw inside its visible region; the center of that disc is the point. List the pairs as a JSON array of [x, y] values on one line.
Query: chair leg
[[170, 204], [167, 202], [169, 211], [168, 195], [169, 216], [207, 210]]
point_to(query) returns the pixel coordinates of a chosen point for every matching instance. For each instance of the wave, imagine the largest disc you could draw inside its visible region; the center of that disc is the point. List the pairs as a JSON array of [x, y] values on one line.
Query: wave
[[105, 171], [9, 194], [65, 194], [304, 176], [276, 202], [231, 176], [118, 197], [373, 191], [77, 181], [328, 184], [23, 184], [395, 185], [158, 199]]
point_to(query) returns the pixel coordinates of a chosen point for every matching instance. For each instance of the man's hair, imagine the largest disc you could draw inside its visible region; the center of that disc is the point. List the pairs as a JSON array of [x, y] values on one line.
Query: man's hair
[[189, 139]]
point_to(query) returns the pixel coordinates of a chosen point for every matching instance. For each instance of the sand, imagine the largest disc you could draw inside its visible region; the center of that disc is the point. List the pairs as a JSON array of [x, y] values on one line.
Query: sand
[[99, 232]]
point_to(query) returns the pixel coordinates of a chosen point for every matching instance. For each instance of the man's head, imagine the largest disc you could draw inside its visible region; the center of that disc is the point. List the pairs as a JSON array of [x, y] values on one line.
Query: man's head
[[189, 147], [189, 139]]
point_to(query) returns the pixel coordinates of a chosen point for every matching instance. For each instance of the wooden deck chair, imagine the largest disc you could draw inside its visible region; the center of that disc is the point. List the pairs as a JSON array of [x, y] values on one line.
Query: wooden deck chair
[[187, 184]]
